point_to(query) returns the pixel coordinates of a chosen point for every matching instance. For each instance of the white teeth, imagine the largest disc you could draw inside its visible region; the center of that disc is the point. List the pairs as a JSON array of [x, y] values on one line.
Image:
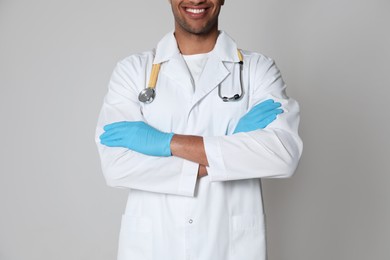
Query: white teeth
[[195, 11]]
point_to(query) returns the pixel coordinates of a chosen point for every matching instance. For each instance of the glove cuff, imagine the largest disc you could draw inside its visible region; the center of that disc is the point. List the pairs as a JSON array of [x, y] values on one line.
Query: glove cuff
[[167, 149]]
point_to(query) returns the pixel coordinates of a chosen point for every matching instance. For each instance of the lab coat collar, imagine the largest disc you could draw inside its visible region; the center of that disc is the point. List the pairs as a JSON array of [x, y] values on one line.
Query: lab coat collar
[[225, 48]]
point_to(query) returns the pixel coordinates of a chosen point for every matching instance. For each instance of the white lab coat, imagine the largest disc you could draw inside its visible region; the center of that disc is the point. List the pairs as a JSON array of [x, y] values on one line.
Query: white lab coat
[[170, 215]]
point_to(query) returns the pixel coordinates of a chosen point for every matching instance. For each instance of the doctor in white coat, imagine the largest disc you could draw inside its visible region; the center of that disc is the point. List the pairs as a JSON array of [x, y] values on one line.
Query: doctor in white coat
[[192, 161]]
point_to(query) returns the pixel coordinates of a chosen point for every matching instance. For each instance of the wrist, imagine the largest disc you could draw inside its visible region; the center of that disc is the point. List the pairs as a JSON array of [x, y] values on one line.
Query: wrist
[[167, 150], [202, 171]]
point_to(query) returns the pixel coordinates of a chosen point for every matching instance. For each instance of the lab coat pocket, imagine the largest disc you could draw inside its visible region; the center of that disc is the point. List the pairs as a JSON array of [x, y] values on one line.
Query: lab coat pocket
[[135, 239], [247, 237]]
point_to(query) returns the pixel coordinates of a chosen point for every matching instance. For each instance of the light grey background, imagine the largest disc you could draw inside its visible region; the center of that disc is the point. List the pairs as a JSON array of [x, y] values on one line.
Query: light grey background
[[55, 61]]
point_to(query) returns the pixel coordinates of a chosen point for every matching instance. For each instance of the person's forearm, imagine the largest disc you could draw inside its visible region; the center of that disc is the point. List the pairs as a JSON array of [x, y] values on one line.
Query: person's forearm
[[189, 147]]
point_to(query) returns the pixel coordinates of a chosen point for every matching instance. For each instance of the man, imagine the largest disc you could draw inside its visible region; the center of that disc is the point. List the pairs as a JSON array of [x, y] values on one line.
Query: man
[[194, 156]]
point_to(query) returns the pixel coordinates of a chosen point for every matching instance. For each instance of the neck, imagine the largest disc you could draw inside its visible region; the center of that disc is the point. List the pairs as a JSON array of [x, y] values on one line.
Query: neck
[[190, 43]]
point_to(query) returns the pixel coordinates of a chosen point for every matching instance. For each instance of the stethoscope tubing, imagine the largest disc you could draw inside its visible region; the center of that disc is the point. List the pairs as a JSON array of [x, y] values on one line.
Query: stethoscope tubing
[[147, 95]]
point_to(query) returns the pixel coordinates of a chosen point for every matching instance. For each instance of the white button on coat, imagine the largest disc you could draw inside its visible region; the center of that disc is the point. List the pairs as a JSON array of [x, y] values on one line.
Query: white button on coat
[[227, 204]]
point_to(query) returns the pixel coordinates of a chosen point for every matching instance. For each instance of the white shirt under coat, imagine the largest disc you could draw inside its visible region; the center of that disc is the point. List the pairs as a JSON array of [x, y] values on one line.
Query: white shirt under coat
[[170, 214]]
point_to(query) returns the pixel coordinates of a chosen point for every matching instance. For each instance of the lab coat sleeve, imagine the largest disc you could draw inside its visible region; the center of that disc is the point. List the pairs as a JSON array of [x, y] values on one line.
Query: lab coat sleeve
[[128, 169], [272, 152]]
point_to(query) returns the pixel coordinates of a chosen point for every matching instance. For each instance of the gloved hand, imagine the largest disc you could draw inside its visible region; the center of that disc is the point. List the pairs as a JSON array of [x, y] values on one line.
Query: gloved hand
[[137, 136], [259, 116]]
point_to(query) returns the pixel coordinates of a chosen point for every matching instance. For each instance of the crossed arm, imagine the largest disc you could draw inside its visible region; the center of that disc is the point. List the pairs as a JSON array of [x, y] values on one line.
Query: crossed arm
[[142, 138], [173, 162]]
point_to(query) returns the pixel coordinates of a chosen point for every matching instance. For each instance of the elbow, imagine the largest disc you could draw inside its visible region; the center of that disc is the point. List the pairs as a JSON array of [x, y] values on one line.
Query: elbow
[[282, 168], [110, 174], [114, 163], [288, 161], [116, 174], [113, 183], [111, 177], [287, 168]]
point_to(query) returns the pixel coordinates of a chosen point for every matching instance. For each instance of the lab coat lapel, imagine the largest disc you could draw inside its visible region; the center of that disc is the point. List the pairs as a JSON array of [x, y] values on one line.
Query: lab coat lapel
[[176, 69], [213, 74], [217, 68]]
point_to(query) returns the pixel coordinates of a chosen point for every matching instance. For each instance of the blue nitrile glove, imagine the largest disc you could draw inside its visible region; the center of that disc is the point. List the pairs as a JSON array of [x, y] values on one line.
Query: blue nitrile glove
[[259, 116], [137, 136]]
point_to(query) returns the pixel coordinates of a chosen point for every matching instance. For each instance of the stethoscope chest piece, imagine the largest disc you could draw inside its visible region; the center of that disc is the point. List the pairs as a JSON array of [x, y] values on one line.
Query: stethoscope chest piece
[[147, 95]]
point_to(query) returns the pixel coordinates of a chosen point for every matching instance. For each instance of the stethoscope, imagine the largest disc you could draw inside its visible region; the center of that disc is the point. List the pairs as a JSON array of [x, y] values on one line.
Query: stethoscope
[[148, 94]]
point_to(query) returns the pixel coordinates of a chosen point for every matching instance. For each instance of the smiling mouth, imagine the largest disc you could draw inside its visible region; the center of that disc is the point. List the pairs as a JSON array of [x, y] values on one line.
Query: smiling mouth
[[195, 11]]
